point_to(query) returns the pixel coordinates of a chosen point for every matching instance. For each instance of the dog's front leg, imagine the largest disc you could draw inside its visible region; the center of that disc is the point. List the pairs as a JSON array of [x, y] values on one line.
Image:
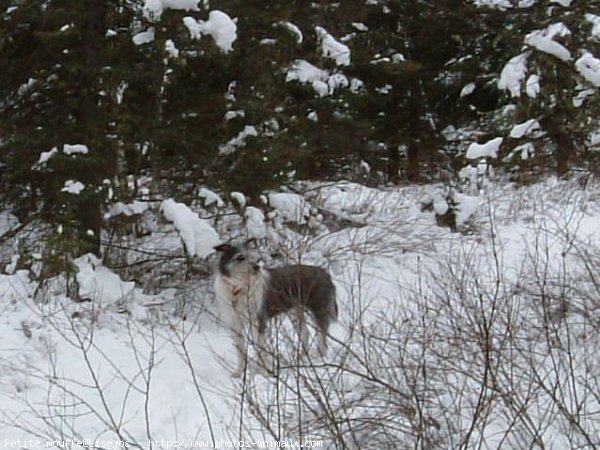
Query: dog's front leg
[[237, 333]]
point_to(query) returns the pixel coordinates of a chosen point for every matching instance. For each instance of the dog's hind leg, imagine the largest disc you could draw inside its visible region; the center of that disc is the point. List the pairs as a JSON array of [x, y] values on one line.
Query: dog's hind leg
[[322, 320], [298, 319], [259, 334]]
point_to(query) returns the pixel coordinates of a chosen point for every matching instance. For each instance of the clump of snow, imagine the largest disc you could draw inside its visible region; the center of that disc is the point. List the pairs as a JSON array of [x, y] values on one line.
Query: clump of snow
[[440, 205], [99, 283], [230, 115], [73, 187], [143, 37], [171, 49], [255, 223], [488, 149], [525, 150], [321, 80], [239, 198], [359, 26], [76, 149], [595, 20], [468, 89], [292, 29], [239, 141], [532, 86], [513, 74], [582, 95], [333, 49], [44, 158], [127, 209], [68, 149], [494, 4], [291, 207], [153, 9], [465, 207], [589, 67], [210, 197], [543, 40], [565, 3], [525, 128], [26, 87], [306, 73], [198, 236], [219, 26]]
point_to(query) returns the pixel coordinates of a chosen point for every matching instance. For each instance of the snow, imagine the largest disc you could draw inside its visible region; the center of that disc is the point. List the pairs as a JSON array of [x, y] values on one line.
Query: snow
[[466, 207], [513, 74], [153, 9], [525, 150], [495, 4], [230, 115], [210, 197], [75, 149], [589, 67], [7, 222], [171, 49], [543, 40], [525, 128], [291, 207], [219, 26], [359, 26], [68, 149], [73, 187], [306, 73], [99, 284], [565, 3], [239, 141], [66, 368], [468, 89], [333, 49], [255, 223], [239, 198], [127, 209], [595, 20], [44, 158], [488, 149], [532, 86], [143, 37], [321, 80], [198, 236], [292, 29]]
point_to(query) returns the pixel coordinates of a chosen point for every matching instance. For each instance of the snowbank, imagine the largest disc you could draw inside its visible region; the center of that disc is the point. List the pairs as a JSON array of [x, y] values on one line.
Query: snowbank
[[198, 236]]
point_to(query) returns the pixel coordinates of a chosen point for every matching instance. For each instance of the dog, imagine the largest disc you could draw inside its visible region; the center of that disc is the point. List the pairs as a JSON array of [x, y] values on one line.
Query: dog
[[249, 295]]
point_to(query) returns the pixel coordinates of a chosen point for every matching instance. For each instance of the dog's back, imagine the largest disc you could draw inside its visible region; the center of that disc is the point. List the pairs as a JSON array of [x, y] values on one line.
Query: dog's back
[[299, 284]]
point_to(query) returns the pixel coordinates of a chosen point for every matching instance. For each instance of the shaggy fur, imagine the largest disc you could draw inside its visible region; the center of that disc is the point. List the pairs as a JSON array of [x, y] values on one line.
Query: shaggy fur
[[249, 295]]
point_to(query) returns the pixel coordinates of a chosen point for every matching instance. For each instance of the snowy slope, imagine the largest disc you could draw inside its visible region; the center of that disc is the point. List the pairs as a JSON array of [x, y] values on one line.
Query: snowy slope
[[443, 336]]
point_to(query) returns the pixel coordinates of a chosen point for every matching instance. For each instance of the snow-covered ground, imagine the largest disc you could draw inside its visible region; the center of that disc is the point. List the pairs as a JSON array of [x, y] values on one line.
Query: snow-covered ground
[[481, 339]]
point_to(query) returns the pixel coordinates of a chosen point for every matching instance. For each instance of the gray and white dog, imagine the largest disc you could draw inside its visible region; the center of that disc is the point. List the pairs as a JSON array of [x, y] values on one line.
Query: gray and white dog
[[249, 295]]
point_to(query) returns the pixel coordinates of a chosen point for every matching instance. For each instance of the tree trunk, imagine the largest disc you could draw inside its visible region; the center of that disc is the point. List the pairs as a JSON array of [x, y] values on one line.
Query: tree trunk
[[412, 169], [92, 122]]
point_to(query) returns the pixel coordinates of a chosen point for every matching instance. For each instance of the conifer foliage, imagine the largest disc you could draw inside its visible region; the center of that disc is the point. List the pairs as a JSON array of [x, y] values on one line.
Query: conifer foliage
[[246, 95]]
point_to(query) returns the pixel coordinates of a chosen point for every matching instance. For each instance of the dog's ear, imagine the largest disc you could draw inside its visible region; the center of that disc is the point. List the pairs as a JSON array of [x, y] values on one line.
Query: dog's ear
[[222, 247], [251, 241]]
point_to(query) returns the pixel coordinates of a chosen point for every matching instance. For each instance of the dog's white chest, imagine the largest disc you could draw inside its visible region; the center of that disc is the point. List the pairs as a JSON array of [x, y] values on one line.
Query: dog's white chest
[[240, 299]]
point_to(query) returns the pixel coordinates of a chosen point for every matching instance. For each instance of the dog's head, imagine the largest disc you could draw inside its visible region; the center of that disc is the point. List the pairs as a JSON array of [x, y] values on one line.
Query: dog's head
[[237, 261]]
